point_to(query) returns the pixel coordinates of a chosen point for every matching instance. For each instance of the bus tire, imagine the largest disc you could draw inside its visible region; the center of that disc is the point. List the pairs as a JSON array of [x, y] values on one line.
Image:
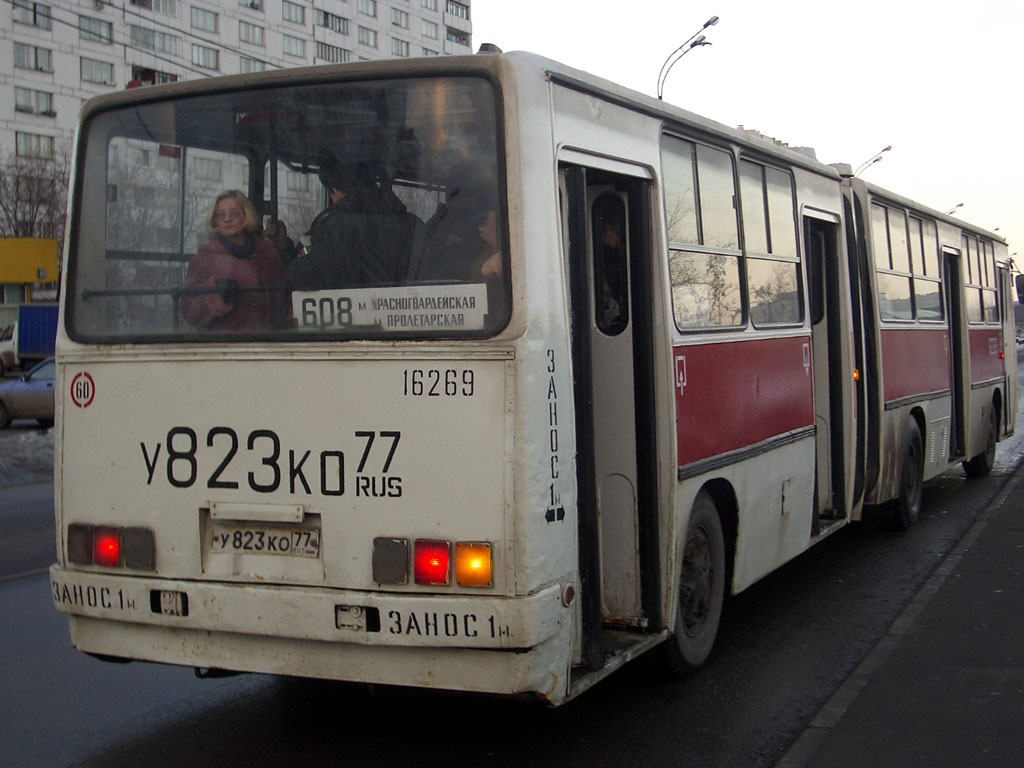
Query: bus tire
[[906, 507], [982, 464], [5, 417], [701, 591]]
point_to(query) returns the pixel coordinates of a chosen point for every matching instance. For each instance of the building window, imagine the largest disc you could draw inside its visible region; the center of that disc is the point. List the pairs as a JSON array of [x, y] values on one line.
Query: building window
[[368, 7], [204, 20], [94, 71], [254, 5], [33, 145], [294, 46], [296, 14], [455, 36], [140, 37], [399, 48], [166, 7], [207, 58], [94, 30], [153, 40], [246, 65], [33, 14], [250, 33], [430, 5], [368, 37], [33, 102], [458, 9], [146, 76], [429, 52], [331, 53], [31, 57], [400, 18], [166, 43], [297, 182], [429, 29], [207, 168], [330, 21]]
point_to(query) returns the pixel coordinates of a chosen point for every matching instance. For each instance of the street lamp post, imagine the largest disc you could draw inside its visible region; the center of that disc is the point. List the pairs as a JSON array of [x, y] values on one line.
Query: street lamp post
[[692, 42], [875, 158]]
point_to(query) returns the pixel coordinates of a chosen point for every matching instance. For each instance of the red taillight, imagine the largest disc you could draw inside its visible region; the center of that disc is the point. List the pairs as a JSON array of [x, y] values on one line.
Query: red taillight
[[430, 560], [106, 546]]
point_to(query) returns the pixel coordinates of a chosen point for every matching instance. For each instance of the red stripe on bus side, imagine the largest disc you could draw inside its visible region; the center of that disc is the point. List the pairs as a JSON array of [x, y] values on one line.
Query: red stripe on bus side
[[985, 344], [914, 362], [736, 394]]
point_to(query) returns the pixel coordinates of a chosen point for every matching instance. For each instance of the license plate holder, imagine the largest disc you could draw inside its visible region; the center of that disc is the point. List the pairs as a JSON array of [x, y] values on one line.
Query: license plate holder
[[246, 539]]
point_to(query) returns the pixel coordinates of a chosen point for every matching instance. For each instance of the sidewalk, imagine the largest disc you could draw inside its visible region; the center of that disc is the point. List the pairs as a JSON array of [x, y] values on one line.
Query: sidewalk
[[945, 686]]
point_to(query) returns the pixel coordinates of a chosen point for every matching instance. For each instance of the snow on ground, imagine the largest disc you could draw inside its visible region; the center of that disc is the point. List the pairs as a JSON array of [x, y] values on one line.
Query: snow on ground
[[26, 454]]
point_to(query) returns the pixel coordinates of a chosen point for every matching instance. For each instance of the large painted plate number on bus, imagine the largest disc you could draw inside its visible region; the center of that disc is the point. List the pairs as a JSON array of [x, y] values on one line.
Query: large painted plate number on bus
[[266, 540]]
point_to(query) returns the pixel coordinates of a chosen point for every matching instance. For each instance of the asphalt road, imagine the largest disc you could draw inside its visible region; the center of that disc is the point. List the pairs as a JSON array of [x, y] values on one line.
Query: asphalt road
[[785, 646]]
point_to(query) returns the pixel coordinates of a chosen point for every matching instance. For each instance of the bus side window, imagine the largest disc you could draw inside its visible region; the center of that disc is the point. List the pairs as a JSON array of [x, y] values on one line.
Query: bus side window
[[611, 275]]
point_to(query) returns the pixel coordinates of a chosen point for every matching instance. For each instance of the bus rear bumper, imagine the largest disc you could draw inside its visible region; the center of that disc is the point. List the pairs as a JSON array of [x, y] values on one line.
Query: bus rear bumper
[[310, 613], [426, 641]]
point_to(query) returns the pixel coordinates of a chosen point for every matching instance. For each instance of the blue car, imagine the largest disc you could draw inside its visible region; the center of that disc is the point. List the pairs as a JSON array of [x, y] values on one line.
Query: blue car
[[30, 397]]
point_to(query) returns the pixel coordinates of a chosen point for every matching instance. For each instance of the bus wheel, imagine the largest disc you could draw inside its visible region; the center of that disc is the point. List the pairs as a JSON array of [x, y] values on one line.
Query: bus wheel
[[701, 590], [907, 506], [982, 464], [5, 417]]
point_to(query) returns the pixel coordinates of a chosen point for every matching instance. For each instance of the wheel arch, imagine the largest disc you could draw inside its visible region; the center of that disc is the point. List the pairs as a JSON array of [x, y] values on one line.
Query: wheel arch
[[724, 497]]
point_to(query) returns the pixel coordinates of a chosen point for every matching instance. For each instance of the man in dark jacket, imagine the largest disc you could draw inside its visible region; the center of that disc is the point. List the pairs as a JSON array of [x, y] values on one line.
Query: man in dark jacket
[[362, 238]]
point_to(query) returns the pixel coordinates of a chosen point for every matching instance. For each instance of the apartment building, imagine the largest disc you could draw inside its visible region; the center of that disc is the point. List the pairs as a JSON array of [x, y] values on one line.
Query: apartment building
[[54, 55]]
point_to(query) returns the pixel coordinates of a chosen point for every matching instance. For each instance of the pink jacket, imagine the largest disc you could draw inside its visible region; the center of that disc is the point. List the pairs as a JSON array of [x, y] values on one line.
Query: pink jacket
[[246, 310]]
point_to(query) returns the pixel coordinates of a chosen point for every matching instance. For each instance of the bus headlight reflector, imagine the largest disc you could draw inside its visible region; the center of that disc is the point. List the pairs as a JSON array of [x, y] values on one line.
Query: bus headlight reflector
[[473, 563], [80, 544], [139, 548], [430, 562], [390, 560]]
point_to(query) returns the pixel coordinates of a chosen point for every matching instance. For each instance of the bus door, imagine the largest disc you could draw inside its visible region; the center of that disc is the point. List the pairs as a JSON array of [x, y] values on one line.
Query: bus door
[[957, 376], [1009, 350], [608, 223], [836, 414]]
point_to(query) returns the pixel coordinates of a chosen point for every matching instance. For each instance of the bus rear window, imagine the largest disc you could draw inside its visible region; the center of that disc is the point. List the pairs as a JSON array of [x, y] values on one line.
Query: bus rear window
[[344, 210]]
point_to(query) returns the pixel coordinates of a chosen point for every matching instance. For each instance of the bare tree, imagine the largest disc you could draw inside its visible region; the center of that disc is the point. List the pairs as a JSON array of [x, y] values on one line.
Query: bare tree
[[34, 195]]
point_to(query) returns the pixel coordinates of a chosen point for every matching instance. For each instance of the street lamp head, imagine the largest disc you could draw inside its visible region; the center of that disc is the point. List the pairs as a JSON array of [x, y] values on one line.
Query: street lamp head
[[692, 42]]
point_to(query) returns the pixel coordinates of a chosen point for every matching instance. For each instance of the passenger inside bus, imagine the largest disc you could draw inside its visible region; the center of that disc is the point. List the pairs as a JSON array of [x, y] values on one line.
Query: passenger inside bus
[[460, 242], [236, 281], [610, 265], [362, 238], [276, 232]]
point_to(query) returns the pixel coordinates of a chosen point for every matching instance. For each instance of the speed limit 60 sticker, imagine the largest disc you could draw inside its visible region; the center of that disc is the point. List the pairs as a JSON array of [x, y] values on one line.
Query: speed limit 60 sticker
[[83, 389]]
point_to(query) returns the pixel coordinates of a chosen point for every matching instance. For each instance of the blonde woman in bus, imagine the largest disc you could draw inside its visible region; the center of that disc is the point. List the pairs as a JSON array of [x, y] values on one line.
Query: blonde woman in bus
[[241, 273]]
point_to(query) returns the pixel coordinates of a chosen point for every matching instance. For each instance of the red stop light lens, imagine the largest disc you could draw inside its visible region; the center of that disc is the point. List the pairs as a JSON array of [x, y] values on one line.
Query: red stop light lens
[[107, 547], [431, 561]]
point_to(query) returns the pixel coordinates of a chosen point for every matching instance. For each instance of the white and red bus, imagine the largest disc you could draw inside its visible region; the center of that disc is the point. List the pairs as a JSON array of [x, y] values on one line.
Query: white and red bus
[[586, 365]]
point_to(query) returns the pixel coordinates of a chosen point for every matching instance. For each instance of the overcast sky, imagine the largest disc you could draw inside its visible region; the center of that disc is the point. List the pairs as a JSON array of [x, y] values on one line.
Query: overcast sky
[[940, 82]]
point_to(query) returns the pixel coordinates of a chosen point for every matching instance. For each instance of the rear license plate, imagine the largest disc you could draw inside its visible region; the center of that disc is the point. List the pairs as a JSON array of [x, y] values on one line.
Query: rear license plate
[[266, 540]]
